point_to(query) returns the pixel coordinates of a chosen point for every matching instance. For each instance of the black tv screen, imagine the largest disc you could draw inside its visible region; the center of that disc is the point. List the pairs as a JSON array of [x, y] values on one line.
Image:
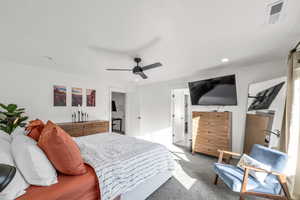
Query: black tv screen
[[215, 91], [263, 99]]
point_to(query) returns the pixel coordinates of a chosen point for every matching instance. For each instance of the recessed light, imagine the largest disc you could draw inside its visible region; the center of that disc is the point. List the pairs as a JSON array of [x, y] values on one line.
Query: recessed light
[[225, 60]]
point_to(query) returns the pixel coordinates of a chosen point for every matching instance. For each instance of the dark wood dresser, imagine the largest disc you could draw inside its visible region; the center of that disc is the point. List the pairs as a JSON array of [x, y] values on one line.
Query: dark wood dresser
[[85, 128], [211, 131]]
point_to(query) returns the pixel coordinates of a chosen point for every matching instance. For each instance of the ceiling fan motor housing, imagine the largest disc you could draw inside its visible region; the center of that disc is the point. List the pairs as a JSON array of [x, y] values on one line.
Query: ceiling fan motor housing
[[137, 69]]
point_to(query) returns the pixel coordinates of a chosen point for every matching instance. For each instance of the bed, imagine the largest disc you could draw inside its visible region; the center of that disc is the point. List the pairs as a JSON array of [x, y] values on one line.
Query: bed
[[68, 187], [119, 167]]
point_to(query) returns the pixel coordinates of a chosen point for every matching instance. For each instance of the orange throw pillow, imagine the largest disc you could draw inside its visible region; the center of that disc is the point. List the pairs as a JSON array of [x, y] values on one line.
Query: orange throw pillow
[[35, 128], [61, 150]]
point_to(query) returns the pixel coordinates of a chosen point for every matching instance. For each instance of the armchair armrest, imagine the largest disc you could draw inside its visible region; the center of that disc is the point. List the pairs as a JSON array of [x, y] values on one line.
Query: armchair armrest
[[281, 177], [221, 154], [262, 170]]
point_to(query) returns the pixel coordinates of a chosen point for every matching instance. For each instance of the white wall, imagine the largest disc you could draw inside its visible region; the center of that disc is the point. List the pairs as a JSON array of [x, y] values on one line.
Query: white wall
[[32, 88], [155, 99]]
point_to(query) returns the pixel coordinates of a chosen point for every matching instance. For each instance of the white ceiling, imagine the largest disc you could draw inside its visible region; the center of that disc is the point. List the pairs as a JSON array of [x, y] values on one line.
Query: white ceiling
[[86, 36]]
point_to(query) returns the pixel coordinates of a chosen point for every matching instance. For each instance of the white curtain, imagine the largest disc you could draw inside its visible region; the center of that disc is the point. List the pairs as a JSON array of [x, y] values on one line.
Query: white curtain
[[290, 141]]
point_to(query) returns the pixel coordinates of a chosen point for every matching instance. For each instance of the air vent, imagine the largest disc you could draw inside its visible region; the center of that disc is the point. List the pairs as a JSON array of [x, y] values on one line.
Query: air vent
[[275, 12]]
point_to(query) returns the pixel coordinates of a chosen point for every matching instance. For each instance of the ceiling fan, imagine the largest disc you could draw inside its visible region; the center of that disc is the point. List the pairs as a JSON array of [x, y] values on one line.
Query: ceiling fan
[[138, 70]]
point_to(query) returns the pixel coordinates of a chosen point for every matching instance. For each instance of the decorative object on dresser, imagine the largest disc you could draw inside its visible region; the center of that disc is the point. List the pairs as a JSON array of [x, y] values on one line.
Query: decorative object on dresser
[[85, 128], [79, 115], [211, 132]]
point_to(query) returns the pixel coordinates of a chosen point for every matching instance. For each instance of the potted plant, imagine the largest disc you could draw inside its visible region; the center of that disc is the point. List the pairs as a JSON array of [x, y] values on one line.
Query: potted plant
[[11, 117]]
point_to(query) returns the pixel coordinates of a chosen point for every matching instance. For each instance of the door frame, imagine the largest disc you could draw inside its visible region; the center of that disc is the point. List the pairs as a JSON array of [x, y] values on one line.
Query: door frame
[[119, 90], [186, 92]]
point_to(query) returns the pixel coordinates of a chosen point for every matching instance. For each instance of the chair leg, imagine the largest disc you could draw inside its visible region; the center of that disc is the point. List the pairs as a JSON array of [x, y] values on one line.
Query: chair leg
[[282, 180], [216, 179], [242, 198]]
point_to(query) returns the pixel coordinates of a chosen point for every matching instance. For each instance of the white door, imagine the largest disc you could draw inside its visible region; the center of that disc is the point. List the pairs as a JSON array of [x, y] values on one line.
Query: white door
[[178, 115], [134, 113]]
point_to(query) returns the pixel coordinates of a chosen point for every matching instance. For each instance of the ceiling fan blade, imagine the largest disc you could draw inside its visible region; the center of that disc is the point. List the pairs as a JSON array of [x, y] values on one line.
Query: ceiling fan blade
[[144, 76], [119, 69], [154, 65]]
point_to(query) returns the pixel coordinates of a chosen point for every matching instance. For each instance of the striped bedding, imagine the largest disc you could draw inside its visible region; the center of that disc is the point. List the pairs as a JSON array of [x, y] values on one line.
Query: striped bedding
[[122, 162]]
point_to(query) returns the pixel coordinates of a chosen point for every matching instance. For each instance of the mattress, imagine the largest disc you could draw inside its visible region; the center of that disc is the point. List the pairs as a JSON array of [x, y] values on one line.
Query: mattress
[[83, 187]]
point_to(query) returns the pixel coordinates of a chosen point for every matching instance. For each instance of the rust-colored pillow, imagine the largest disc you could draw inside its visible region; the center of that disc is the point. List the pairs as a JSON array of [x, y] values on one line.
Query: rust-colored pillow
[[35, 128], [61, 150]]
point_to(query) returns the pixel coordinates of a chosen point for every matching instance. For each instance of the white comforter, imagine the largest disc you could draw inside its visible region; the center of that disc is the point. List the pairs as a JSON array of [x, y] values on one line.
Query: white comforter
[[121, 162]]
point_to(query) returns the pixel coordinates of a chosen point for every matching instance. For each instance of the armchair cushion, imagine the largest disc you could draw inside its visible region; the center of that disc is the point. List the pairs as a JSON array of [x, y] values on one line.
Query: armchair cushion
[[247, 160], [232, 176]]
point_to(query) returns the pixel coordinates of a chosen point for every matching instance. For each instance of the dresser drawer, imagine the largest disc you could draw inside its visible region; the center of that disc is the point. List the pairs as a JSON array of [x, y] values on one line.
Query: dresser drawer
[[75, 130], [202, 115], [214, 133], [93, 128], [213, 129], [219, 116], [213, 141]]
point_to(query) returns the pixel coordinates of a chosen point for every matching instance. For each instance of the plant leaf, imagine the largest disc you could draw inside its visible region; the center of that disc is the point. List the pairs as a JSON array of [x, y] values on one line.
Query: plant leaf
[[23, 119], [2, 116], [12, 107], [3, 106]]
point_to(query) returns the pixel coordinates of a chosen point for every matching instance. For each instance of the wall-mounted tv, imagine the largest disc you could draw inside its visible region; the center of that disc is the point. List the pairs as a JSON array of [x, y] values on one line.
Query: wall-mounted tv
[[263, 99], [216, 91]]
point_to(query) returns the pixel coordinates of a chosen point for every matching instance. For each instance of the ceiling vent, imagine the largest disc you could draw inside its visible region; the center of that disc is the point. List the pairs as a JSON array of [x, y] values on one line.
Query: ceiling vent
[[275, 11]]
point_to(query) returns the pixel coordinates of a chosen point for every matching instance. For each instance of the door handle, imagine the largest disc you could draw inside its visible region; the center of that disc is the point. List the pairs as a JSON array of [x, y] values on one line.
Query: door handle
[[276, 132]]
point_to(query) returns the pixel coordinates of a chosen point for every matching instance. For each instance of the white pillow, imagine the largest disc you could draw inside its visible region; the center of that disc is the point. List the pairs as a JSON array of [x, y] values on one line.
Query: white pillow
[[249, 161], [32, 162], [5, 136], [18, 131], [18, 185]]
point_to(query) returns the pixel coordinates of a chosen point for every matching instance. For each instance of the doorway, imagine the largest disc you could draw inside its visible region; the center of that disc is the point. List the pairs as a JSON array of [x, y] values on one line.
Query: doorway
[[118, 112], [180, 116]]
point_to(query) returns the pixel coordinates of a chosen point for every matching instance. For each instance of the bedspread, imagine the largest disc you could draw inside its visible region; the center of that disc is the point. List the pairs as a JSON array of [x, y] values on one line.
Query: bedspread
[[122, 162]]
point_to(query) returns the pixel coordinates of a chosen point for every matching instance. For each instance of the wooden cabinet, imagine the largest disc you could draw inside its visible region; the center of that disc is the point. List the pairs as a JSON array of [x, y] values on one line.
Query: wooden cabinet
[[85, 128], [211, 131], [255, 131]]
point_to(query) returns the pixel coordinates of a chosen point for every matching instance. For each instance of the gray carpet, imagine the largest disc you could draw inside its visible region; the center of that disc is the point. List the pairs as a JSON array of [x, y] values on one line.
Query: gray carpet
[[193, 180]]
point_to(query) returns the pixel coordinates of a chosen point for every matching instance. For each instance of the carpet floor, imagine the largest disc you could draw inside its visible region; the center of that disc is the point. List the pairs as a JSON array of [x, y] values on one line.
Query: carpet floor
[[193, 179]]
